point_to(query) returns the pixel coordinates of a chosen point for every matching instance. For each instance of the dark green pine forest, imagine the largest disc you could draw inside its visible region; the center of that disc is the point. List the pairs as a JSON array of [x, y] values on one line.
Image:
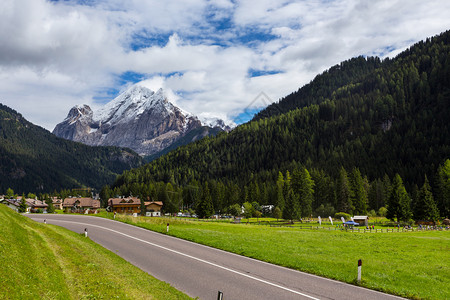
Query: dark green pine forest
[[360, 137], [34, 160]]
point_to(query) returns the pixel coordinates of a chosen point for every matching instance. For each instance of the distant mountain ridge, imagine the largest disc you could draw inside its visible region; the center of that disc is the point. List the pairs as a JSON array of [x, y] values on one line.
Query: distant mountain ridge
[[381, 116], [34, 160], [140, 119]]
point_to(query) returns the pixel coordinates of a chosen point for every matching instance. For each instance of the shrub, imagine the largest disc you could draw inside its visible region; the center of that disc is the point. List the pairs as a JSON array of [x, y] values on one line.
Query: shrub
[[325, 211], [372, 213], [382, 212], [342, 214]]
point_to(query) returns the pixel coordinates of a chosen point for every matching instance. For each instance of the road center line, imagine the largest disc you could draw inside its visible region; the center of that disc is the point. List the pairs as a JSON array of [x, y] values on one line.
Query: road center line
[[193, 257]]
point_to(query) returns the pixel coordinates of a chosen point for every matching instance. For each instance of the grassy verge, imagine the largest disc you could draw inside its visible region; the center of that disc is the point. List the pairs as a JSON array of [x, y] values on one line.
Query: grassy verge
[[49, 262], [409, 264]]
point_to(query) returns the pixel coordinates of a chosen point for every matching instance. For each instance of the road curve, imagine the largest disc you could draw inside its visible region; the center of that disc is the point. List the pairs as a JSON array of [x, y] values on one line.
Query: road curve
[[202, 271]]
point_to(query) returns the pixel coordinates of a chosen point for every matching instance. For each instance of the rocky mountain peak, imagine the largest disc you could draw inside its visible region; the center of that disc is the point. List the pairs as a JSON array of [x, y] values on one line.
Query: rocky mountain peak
[[139, 118]]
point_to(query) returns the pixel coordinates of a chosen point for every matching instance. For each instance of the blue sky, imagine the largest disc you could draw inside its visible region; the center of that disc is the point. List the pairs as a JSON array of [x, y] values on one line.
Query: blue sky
[[213, 58]]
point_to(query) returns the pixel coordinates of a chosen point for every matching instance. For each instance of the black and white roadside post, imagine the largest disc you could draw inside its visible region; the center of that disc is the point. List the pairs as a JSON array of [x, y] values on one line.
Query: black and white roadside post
[[45, 221], [167, 227], [114, 215], [85, 232], [359, 270], [219, 295]]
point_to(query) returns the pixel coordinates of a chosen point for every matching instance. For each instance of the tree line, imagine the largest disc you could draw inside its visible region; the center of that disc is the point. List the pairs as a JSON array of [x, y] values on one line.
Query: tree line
[[302, 194]]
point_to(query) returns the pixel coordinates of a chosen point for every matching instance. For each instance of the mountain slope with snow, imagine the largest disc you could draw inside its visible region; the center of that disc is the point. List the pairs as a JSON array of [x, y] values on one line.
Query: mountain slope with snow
[[140, 119]]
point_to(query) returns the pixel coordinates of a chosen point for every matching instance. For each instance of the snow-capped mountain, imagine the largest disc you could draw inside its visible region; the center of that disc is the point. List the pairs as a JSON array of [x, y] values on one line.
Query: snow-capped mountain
[[139, 118], [214, 122]]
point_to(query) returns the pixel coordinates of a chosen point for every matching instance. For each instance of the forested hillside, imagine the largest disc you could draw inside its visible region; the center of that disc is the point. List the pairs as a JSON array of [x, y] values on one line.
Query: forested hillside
[[34, 160], [353, 128]]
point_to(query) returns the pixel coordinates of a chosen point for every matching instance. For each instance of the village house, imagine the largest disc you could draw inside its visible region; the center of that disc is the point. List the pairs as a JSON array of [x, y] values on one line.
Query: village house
[[153, 209], [57, 203], [129, 205], [132, 205], [34, 205], [11, 203], [80, 205]]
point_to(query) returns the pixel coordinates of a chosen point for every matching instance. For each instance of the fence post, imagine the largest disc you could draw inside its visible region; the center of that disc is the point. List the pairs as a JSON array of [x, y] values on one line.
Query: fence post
[[359, 270]]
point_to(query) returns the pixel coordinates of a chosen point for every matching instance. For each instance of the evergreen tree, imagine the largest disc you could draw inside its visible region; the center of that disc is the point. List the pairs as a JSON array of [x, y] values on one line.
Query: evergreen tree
[[398, 202], [143, 209], [425, 208], [358, 193], [105, 194], [23, 206], [163, 196], [306, 193], [171, 205], [291, 210], [343, 193], [443, 189], [50, 207], [280, 197], [205, 207]]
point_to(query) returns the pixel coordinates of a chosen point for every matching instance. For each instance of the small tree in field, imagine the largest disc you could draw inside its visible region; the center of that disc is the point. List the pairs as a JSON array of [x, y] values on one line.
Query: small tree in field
[[276, 213], [23, 206], [248, 210], [234, 210]]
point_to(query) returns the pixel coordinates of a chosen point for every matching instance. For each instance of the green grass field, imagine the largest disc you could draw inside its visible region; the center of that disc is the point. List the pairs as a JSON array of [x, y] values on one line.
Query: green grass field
[[409, 264], [49, 262]]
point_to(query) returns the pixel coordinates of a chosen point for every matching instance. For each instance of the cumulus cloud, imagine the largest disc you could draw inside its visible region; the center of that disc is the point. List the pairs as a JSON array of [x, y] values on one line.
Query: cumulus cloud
[[213, 57]]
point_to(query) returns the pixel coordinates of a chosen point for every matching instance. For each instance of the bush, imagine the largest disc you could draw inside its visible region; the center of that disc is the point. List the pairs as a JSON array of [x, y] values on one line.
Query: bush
[[342, 214], [382, 212], [372, 213], [325, 211], [234, 210]]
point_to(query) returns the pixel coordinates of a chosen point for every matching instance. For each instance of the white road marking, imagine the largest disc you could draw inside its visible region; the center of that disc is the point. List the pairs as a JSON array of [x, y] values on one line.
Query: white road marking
[[196, 258]]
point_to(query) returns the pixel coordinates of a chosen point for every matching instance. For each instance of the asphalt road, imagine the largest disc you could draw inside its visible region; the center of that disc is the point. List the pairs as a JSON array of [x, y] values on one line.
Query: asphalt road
[[201, 271]]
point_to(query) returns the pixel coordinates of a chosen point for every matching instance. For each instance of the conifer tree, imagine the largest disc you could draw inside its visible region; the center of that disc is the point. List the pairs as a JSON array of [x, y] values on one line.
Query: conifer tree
[[358, 193], [291, 210], [163, 196], [443, 189], [23, 206], [306, 193], [425, 208], [205, 207], [280, 197], [398, 202], [343, 193], [50, 207]]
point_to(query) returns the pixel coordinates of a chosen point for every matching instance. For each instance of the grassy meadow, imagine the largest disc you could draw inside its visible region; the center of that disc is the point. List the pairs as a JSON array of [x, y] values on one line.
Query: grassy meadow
[[410, 264], [49, 262]]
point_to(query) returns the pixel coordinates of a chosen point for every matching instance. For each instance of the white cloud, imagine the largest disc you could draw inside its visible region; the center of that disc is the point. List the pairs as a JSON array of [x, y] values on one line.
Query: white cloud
[[54, 55]]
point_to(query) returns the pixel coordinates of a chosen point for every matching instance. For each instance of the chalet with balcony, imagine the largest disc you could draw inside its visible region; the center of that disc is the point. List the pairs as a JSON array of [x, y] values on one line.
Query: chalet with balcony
[[129, 205], [34, 205], [80, 205]]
